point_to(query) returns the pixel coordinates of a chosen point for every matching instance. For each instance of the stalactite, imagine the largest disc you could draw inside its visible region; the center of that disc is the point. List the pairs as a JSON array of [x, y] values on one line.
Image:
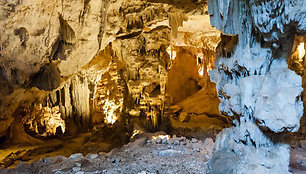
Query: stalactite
[[175, 21]]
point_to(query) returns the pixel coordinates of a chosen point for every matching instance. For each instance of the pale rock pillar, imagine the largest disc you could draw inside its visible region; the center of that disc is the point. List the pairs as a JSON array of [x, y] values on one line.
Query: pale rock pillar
[[255, 85]]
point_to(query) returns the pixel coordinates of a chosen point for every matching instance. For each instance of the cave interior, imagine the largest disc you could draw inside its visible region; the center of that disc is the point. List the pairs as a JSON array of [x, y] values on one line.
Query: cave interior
[[152, 86]]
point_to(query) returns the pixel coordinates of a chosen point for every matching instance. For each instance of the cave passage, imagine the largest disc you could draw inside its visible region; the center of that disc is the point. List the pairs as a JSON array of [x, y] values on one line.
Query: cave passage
[[152, 86], [156, 80]]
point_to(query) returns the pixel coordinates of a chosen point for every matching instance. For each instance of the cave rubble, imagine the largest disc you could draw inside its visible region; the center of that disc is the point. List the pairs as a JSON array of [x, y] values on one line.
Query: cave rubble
[[149, 153]]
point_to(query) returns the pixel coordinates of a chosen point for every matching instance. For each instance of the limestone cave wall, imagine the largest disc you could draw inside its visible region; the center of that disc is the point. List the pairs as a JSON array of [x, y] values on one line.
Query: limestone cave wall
[[61, 57]]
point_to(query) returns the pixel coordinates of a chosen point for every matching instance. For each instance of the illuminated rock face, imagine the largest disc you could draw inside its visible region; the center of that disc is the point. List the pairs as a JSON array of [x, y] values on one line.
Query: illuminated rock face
[[109, 96], [44, 118], [254, 83], [63, 47]]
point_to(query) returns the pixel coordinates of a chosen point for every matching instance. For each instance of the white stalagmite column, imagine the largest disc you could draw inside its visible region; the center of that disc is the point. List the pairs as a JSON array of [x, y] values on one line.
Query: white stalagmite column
[[255, 85]]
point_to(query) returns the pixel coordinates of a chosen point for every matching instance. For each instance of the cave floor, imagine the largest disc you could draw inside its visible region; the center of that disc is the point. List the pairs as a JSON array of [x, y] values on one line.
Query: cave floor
[[141, 155], [144, 154], [85, 143], [298, 155], [10, 157]]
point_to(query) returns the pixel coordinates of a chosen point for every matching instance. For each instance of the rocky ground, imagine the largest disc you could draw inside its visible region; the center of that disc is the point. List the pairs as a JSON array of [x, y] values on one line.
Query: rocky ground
[[298, 155], [148, 153]]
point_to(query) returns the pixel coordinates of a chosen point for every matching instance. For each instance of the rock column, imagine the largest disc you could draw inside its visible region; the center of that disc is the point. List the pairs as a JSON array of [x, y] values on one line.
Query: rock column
[[254, 83]]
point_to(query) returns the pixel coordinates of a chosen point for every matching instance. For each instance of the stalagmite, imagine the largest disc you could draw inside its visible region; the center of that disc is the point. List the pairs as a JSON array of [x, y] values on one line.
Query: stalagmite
[[254, 83]]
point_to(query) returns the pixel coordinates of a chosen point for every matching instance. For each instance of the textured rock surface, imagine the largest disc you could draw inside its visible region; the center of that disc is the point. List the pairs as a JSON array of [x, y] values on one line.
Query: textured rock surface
[[149, 154], [48, 78], [68, 48], [34, 33], [64, 48], [254, 83]]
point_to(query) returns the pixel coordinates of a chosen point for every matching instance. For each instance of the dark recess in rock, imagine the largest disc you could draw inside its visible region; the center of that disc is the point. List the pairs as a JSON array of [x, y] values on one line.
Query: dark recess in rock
[[48, 78]]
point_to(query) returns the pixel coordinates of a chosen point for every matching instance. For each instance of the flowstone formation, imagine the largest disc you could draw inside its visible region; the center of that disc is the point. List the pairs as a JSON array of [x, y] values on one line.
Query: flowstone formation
[[254, 83]]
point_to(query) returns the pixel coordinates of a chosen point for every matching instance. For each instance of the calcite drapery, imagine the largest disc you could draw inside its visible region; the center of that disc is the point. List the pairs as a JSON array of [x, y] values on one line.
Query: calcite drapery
[[254, 82]]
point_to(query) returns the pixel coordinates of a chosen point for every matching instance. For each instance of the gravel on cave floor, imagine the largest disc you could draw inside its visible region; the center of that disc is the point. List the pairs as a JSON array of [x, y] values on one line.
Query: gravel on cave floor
[[144, 155]]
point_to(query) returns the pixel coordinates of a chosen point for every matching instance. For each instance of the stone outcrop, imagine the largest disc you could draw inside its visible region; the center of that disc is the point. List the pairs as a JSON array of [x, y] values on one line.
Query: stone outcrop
[[254, 83]]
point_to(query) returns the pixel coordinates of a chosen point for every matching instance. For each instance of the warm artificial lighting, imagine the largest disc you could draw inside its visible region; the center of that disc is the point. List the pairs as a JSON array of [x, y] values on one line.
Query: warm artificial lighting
[[48, 117], [301, 50], [109, 109], [209, 67], [172, 55], [53, 120], [135, 132], [201, 71], [171, 52], [161, 137]]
